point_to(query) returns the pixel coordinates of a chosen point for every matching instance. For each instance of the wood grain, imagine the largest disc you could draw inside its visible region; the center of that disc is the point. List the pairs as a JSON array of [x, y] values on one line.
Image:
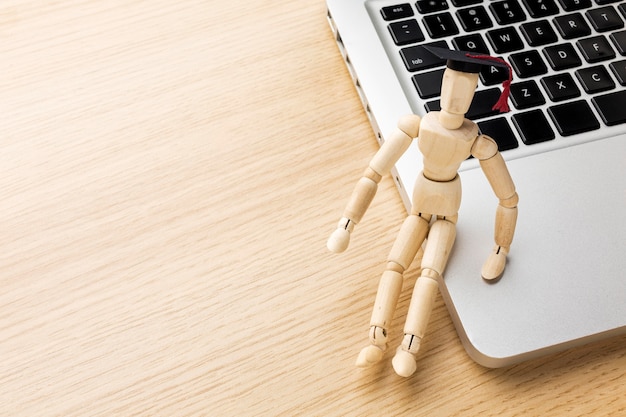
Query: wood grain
[[169, 174]]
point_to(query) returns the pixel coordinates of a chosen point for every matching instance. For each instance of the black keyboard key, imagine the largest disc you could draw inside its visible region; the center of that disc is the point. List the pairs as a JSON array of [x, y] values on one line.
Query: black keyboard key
[[417, 58], [492, 74], [482, 104], [526, 94], [573, 5], [560, 87], [619, 40], [601, 2], [406, 32], [434, 105], [622, 8], [533, 127], [538, 33], [573, 118], [541, 8], [399, 11], [431, 6], [474, 18], [528, 64], [572, 26], [471, 43], [596, 49], [499, 130], [611, 107], [507, 12], [428, 84], [463, 3], [561, 57], [440, 25], [595, 79], [604, 19], [505, 40], [619, 70]]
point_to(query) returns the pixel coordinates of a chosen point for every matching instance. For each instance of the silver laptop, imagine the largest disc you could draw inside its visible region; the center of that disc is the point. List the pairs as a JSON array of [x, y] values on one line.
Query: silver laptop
[[565, 145]]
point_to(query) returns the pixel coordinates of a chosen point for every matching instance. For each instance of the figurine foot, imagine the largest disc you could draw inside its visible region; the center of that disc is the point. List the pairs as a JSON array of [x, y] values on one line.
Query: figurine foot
[[340, 238], [404, 363], [369, 356]]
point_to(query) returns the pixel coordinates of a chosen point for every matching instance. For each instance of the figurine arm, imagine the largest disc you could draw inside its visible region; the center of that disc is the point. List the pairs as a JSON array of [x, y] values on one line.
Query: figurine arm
[[486, 151], [388, 154]]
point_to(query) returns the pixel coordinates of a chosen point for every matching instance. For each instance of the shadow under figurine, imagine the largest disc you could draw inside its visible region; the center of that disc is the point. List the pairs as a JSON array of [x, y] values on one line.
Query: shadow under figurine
[[445, 139]]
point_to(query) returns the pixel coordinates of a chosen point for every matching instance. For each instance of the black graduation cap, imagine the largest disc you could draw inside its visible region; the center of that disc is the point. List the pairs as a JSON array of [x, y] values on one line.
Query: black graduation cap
[[467, 62]]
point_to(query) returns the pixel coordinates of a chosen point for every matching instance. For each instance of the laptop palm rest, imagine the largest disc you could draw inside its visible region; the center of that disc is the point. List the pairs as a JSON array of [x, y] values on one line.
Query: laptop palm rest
[[538, 306]]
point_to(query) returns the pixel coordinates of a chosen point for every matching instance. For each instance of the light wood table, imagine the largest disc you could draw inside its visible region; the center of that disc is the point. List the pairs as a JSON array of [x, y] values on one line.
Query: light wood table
[[170, 171]]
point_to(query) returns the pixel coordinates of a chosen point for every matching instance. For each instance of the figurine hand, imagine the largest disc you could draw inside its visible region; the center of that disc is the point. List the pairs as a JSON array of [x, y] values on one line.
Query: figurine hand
[[494, 266], [338, 240]]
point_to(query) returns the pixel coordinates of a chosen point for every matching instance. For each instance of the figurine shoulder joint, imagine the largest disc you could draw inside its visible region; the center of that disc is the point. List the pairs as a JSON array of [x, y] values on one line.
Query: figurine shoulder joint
[[410, 124]]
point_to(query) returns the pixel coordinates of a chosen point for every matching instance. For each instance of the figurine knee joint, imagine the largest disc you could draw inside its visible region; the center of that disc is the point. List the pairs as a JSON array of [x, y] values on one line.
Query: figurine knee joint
[[395, 267], [430, 273]]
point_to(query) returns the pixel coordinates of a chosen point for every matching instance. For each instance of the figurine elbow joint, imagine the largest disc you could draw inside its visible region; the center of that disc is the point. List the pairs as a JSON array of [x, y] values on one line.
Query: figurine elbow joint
[[484, 148], [510, 202], [372, 174]]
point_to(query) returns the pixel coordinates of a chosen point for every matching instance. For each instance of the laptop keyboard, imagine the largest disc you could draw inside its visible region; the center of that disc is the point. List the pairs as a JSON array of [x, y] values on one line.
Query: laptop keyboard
[[568, 57]]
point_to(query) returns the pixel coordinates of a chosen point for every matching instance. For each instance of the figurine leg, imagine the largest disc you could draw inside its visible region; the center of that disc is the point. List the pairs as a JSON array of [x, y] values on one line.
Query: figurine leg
[[411, 236], [440, 240]]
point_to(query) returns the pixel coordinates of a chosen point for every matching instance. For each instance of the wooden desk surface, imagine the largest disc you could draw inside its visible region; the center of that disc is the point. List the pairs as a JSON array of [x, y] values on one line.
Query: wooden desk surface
[[170, 172]]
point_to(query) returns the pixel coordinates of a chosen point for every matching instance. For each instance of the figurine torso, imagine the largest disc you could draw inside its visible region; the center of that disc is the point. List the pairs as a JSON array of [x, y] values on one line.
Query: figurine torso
[[438, 189], [443, 149]]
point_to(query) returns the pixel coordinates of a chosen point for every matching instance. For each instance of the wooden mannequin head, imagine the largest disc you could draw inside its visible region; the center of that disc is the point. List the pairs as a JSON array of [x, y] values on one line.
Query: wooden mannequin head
[[460, 80], [457, 92]]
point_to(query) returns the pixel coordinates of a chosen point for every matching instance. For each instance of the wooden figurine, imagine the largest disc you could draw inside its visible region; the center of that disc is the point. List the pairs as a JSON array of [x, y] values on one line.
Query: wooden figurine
[[445, 139]]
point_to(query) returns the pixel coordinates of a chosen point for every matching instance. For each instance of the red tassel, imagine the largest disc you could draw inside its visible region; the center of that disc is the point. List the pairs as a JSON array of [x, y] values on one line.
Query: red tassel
[[503, 102]]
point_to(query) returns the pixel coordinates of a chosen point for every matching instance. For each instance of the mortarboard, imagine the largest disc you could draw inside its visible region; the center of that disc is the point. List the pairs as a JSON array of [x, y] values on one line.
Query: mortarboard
[[468, 62]]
